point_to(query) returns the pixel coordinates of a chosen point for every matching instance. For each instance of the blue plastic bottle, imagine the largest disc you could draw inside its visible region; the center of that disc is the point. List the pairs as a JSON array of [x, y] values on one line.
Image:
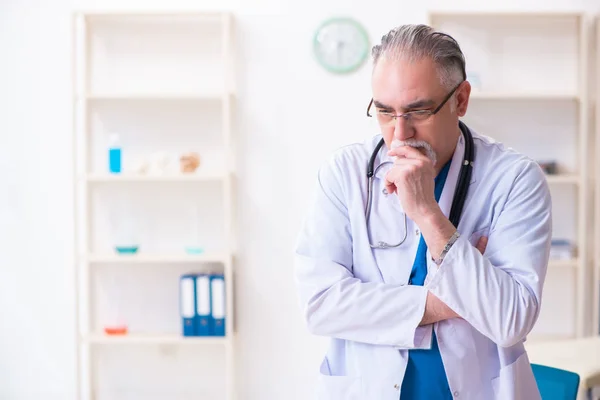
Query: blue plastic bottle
[[114, 155]]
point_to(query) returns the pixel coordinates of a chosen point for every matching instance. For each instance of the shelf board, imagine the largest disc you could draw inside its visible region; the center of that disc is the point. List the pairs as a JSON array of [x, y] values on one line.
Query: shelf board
[[502, 14], [166, 96], [154, 339], [573, 263], [142, 258], [563, 179], [545, 337], [151, 178], [108, 13], [523, 96]]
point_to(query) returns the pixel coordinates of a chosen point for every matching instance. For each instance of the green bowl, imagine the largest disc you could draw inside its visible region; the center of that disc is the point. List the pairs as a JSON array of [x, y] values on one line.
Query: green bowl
[[127, 249], [194, 250]]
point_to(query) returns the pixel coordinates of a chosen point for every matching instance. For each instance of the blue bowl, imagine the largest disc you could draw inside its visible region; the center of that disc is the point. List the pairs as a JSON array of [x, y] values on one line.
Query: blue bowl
[[194, 250], [127, 249]]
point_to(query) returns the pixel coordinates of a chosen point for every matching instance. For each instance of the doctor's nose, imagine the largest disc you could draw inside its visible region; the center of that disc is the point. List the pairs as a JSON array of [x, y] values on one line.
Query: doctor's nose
[[403, 129]]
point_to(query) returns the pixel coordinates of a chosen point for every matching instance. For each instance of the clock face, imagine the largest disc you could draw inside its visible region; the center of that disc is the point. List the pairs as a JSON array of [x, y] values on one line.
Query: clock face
[[341, 45]]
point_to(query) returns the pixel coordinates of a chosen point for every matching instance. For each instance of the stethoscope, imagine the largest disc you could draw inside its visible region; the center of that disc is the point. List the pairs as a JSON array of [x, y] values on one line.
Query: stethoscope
[[460, 194]]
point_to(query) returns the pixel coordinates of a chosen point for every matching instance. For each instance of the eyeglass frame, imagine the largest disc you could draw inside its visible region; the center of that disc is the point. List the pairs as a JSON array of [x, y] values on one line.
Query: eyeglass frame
[[431, 113]]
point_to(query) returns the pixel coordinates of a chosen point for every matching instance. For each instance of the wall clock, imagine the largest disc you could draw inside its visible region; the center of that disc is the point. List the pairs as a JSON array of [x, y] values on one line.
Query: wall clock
[[341, 45]]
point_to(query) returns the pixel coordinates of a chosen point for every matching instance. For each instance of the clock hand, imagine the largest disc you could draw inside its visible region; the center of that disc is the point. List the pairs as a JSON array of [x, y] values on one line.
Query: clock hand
[[340, 45]]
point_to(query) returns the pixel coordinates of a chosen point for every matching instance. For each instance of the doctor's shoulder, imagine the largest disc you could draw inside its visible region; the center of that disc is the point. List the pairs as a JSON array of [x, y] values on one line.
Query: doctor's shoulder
[[347, 165], [509, 173]]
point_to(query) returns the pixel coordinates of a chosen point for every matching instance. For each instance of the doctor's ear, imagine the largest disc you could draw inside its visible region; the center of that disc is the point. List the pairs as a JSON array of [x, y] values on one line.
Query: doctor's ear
[[462, 98]]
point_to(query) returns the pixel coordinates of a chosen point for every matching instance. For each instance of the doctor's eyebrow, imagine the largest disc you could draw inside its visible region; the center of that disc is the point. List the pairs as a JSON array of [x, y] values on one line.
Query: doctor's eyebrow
[[422, 103], [382, 106]]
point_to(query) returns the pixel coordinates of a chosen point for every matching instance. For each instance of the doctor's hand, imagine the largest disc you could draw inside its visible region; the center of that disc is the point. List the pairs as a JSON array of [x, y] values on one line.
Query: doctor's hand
[[482, 244], [412, 179]]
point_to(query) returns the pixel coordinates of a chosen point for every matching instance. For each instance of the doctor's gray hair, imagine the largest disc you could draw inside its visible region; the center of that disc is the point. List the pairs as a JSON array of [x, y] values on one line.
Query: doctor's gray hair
[[415, 42]]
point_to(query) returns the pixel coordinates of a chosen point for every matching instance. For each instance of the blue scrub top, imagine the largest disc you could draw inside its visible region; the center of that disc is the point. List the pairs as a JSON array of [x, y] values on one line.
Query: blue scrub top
[[425, 377]]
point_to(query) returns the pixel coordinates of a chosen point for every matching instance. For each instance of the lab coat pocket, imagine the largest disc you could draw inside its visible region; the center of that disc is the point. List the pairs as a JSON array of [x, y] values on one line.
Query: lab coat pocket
[[516, 381], [336, 387]]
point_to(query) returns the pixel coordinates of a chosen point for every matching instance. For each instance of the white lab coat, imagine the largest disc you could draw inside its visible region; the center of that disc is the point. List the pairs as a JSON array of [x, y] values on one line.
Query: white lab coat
[[360, 298]]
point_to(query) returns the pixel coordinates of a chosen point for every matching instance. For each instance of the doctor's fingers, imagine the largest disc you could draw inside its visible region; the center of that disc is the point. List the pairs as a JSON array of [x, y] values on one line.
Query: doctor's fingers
[[403, 168], [407, 152], [417, 162], [482, 244], [390, 186], [400, 173], [421, 161]]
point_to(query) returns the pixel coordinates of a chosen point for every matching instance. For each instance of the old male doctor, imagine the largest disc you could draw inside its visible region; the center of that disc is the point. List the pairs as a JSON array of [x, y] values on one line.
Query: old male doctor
[[444, 314]]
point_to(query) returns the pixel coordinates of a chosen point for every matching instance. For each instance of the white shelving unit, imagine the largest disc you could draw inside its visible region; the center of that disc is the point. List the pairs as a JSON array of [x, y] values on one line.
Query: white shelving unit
[[596, 179], [529, 77], [164, 83]]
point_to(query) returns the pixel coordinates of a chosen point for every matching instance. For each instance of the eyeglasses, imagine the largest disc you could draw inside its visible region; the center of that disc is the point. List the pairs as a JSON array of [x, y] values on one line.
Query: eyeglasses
[[387, 118]]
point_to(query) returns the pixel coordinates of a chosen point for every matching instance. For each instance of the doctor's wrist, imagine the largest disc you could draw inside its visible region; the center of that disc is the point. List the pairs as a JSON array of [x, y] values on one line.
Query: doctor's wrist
[[437, 231], [428, 215]]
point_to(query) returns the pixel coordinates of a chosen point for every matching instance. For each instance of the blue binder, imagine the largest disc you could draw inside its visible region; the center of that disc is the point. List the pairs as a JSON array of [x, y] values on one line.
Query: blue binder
[[187, 304], [217, 301], [203, 308]]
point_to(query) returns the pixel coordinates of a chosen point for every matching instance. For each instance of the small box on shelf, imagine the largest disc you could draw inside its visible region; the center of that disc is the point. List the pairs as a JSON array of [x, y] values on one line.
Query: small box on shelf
[[562, 249], [550, 167], [556, 174]]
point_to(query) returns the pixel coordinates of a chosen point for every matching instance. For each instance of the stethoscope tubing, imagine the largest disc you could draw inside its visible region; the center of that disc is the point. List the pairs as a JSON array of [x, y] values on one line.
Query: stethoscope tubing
[[464, 179]]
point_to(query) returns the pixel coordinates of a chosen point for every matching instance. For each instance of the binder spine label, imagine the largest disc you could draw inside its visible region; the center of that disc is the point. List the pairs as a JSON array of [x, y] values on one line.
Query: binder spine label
[[203, 298], [218, 307], [187, 298]]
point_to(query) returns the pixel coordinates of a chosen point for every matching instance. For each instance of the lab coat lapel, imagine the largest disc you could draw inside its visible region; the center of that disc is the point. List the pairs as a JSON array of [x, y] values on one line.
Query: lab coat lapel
[[447, 196]]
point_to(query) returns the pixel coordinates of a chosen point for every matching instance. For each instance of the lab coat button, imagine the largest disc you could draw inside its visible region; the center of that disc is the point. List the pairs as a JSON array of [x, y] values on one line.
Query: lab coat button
[[456, 394], [417, 232], [385, 192], [396, 386]]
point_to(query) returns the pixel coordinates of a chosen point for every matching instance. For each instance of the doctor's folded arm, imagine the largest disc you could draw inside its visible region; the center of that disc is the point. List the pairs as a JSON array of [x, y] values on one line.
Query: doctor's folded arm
[[423, 254]]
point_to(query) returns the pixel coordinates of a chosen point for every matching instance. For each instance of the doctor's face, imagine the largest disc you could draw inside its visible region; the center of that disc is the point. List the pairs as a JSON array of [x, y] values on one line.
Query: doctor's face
[[401, 86]]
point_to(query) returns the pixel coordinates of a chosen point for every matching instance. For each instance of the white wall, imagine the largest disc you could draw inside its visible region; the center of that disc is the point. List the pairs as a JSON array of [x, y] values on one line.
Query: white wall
[[281, 86]]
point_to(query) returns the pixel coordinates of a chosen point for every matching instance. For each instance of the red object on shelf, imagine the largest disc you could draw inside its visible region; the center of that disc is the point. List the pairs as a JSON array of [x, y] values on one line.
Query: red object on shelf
[[115, 330]]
